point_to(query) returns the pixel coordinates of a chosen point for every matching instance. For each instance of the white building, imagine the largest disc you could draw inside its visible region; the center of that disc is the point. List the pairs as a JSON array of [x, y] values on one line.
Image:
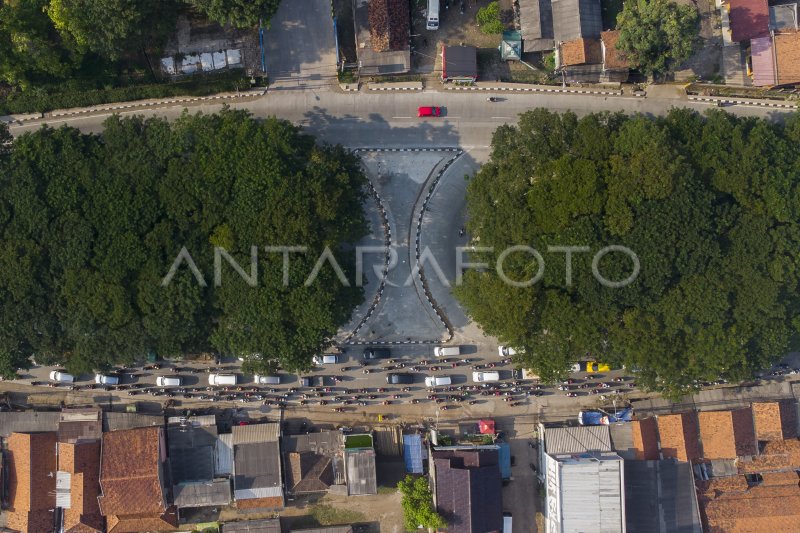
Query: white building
[[585, 492]]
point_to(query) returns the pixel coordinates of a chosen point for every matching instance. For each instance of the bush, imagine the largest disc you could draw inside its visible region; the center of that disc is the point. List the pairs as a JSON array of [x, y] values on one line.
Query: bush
[[488, 19], [41, 100]]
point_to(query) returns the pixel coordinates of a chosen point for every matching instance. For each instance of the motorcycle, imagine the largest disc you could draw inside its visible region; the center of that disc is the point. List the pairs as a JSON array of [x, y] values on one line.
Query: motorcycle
[[492, 99]]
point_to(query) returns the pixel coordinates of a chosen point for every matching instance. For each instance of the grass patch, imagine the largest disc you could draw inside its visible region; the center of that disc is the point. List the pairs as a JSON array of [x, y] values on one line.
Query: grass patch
[[358, 441], [348, 76], [327, 515], [610, 9]]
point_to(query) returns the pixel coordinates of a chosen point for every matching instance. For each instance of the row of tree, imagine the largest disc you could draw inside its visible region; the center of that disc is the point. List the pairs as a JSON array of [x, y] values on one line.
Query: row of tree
[[90, 227], [709, 205], [43, 40]]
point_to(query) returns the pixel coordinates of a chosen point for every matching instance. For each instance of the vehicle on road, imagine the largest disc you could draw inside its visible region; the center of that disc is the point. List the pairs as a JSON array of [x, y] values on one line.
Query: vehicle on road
[[593, 367], [576, 367], [429, 111], [437, 381], [105, 379], [399, 379], [433, 15], [266, 380], [325, 359], [484, 377], [167, 381], [447, 351], [376, 353], [222, 379], [506, 351], [61, 377], [507, 521]]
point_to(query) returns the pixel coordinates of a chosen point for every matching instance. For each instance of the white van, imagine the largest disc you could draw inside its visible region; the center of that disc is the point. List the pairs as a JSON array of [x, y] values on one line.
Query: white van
[[166, 381], [447, 351], [267, 380], [483, 377], [437, 381], [507, 522], [61, 377], [222, 379], [326, 359], [433, 15], [102, 379]]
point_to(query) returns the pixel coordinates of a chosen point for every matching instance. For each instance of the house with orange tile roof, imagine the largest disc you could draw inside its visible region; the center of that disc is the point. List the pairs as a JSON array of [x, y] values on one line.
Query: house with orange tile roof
[[645, 439], [787, 57], [79, 468], [134, 496], [727, 434], [32, 482], [679, 436], [775, 420]]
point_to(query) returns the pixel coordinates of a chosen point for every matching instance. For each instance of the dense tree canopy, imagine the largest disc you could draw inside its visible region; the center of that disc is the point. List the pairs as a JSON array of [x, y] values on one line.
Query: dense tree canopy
[[239, 13], [657, 35], [710, 207], [90, 226], [417, 502]]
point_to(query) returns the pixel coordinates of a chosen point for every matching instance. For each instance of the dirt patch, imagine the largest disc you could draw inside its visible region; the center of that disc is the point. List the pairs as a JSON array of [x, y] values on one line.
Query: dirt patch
[[706, 63], [382, 512]]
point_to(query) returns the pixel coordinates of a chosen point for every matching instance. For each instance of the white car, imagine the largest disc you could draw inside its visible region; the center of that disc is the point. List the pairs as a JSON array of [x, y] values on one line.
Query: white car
[[437, 381], [484, 377], [168, 381], [506, 351], [103, 379], [576, 367], [326, 359], [61, 377], [266, 380]]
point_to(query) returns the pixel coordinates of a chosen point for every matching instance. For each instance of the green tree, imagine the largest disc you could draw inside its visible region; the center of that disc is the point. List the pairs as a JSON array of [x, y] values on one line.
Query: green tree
[[105, 27], [238, 13], [89, 227], [657, 36], [708, 205], [489, 20], [417, 503]]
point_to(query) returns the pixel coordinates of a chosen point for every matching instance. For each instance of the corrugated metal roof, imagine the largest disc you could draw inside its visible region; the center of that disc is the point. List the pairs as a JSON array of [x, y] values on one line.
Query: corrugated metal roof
[[577, 439], [268, 432], [270, 525], [335, 529], [413, 453], [622, 440], [763, 61], [205, 420], [261, 492], [256, 465], [361, 477], [536, 19], [504, 459], [323, 443], [574, 19], [216, 492], [28, 422], [119, 421], [224, 455], [63, 489], [660, 497]]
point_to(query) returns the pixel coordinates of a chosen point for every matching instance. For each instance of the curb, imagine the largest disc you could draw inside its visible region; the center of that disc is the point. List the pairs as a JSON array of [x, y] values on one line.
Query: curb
[[534, 90], [760, 103], [369, 88]]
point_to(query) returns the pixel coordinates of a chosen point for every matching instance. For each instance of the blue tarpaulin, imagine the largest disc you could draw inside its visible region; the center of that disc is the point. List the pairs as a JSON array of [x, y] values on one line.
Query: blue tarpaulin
[[504, 454], [413, 453]]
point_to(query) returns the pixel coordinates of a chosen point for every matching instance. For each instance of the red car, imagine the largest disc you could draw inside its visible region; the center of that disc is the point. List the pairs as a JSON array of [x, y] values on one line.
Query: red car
[[429, 111]]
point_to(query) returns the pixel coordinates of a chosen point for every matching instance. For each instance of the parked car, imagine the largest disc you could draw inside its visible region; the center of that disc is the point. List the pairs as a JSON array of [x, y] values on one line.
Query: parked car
[[104, 379], [377, 353], [429, 111], [399, 379], [168, 381], [593, 366], [447, 351], [483, 377], [267, 380], [326, 359], [222, 379], [506, 351], [61, 377], [306, 381]]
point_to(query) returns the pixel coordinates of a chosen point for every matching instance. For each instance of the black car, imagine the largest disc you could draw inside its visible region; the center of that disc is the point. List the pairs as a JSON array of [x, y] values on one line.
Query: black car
[[377, 353], [399, 379]]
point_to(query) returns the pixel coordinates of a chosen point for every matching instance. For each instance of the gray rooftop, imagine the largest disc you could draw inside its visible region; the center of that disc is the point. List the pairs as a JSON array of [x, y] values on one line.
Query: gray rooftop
[[536, 19], [206, 494], [622, 440], [256, 466], [575, 19], [361, 477], [577, 439], [28, 422], [191, 452], [783, 17], [270, 525], [334, 529], [119, 421], [660, 497], [256, 433], [323, 443]]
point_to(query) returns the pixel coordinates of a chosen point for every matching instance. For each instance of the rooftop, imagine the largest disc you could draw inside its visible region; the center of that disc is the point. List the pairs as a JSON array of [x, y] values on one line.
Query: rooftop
[[761, 50], [269, 525], [580, 52], [31, 481], [27, 422], [389, 24], [82, 462], [577, 439], [77, 425], [748, 19], [787, 57], [459, 62], [660, 497], [536, 24], [775, 420], [612, 57], [645, 439], [575, 19], [360, 468], [215, 492], [191, 452], [469, 490], [727, 434], [679, 436], [380, 49]]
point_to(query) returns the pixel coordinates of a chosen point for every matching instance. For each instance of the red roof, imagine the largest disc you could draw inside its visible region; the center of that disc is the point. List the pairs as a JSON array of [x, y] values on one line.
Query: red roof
[[486, 427], [748, 19]]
